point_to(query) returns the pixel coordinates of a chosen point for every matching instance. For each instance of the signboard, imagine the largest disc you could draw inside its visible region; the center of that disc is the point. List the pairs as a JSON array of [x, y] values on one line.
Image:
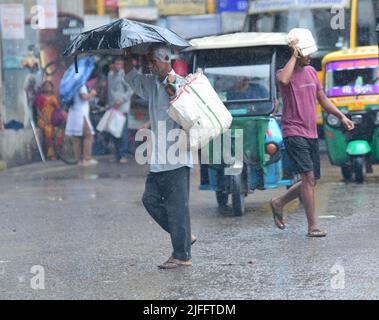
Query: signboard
[[352, 64], [94, 21], [357, 85], [144, 10], [49, 14], [232, 5], [195, 26], [139, 13], [281, 5], [323, 3], [353, 90], [232, 21], [111, 3], [181, 7], [134, 3], [12, 17]]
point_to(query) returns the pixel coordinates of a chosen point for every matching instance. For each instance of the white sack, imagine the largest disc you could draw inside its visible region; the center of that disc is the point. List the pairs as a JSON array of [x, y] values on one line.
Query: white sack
[[198, 109], [112, 121]]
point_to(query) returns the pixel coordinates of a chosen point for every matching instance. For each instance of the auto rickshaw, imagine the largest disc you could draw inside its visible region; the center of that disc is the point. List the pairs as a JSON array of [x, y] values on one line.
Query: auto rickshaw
[[351, 82], [241, 67]]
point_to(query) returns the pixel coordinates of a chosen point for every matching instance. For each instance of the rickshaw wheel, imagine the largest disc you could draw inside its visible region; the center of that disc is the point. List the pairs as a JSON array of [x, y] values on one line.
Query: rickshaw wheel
[[238, 198], [359, 169], [347, 172], [222, 198]]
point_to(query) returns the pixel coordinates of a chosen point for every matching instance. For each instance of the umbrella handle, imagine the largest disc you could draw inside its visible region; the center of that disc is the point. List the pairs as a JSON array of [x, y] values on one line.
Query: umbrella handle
[[76, 64]]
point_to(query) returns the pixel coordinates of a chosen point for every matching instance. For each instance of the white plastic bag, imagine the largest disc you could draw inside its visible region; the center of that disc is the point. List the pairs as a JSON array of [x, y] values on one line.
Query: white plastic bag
[[112, 121], [199, 110], [306, 45]]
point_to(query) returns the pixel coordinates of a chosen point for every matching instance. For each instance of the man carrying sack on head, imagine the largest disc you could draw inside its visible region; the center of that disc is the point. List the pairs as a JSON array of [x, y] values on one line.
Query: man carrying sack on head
[[301, 89]]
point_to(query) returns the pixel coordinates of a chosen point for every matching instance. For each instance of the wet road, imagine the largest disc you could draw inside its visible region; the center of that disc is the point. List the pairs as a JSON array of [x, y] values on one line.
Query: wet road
[[87, 229]]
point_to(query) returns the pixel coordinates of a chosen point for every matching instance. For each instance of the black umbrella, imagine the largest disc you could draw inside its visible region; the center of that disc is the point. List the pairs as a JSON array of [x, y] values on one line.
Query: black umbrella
[[115, 37]]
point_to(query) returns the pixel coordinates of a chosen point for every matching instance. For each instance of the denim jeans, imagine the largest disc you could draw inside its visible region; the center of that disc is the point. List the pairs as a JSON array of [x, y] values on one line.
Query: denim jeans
[[166, 199], [122, 143]]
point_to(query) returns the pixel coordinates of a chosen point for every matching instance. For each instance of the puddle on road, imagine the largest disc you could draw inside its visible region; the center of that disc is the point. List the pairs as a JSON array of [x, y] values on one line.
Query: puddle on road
[[67, 177], [88, 177], [265, 207], [370, 179], [334, 198], [91, 177]]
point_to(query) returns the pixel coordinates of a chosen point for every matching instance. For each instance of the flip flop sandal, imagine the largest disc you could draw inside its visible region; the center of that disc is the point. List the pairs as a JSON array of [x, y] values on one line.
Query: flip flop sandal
[[278, 217], [168, 265], [174, 263], [316, 233]]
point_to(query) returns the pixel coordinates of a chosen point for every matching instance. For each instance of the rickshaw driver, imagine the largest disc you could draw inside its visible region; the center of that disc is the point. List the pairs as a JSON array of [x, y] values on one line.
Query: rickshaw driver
[[300, 89], [246, 90]]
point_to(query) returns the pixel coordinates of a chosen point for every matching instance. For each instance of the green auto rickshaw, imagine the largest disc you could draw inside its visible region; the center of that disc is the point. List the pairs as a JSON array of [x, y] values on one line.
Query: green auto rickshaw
[[241, 67], [351, 81]]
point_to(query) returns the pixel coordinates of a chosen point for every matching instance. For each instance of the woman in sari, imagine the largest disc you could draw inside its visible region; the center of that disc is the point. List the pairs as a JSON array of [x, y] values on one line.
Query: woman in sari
[[46, 104]]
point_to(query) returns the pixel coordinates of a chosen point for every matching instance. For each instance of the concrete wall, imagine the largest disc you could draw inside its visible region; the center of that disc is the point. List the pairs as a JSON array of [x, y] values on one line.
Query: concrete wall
[[18, 148]]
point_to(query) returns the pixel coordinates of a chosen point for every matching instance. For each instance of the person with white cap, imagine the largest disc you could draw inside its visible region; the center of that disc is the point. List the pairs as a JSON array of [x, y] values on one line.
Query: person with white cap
[[301, 89], [166, 193]]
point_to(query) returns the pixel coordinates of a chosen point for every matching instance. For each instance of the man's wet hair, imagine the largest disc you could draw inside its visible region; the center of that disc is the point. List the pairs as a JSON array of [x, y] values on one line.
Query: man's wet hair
[[161, 52]]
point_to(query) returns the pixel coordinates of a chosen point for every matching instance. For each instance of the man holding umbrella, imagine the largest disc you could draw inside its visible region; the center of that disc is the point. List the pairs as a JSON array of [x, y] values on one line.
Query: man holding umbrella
[[166, 193], [167, 186]]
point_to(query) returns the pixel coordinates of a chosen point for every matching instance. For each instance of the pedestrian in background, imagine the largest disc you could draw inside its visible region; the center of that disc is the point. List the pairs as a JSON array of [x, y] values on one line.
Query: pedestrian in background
[[79, 126], [166, 193], [46, 105], [301, 89], [119, 97]]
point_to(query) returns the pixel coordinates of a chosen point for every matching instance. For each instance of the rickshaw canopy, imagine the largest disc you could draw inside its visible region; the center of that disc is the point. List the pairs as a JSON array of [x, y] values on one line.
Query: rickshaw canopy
[[238, 40], [241, 68], [349, 54]]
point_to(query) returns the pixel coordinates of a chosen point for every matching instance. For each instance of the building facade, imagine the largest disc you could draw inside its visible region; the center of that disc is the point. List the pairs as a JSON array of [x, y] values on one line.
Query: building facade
[[33, 35]]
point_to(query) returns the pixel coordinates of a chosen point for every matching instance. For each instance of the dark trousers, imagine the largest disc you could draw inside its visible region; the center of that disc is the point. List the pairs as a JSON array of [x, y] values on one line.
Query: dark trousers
[[122, 143], [166, 199]]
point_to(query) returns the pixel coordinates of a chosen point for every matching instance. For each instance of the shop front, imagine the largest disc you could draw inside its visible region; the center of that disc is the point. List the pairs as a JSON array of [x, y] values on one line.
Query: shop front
[[32, 37]]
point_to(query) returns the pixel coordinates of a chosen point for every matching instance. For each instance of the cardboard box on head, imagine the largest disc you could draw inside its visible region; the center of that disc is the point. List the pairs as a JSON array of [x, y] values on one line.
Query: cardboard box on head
[[306, 45]]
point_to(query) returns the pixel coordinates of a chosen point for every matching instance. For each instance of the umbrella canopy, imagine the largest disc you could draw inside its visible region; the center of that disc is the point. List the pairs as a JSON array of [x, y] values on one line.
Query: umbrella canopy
[[72, 81], [121, 34]]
